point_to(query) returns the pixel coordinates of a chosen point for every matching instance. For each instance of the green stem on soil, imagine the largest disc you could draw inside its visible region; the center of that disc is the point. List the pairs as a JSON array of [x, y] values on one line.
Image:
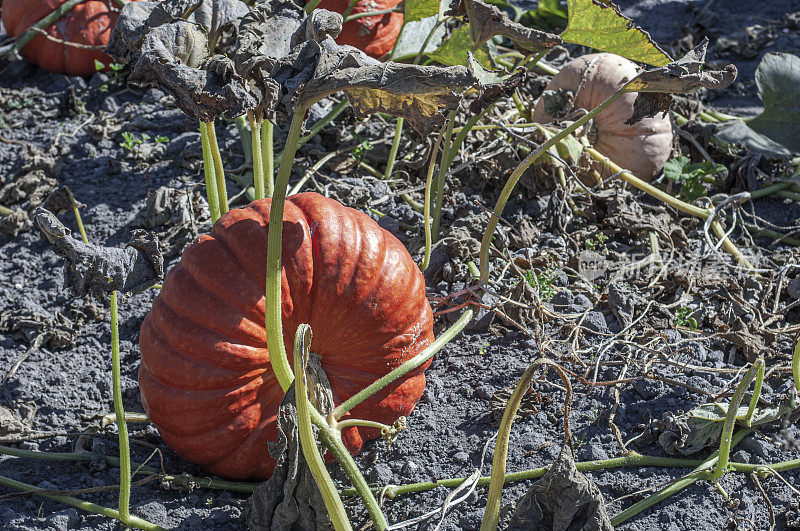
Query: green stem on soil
[[443, 167], [347, 423], [426, 207], [122, 427], [730, 419], [699, 473], [398, 133], [219, 170], [208, 169], [5, 211], [796, 367], [133, 521], [14, 47], [333, 503], [751, 410], [258, 159], [407, 366], [505, 194], [274, 325], [268, 154]]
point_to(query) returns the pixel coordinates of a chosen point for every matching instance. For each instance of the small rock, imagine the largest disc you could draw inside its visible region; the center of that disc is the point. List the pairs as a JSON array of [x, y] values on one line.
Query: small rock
[[794, 288], [110, 105], [582, 301], [461, 457], [562, 299], [153, 511], [740, 456], [595, 322], [484, 391], [648, 389]]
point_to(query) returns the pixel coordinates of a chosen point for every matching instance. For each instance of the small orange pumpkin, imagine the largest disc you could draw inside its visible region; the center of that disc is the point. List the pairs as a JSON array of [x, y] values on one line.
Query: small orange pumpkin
[[641, 148], [205, 377], [87, 23], [374, 35]]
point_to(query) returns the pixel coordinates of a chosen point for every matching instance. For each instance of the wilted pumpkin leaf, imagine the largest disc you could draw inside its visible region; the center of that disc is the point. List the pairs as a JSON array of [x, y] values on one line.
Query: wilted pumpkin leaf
[[420, 94], [778, 81], [486, 21], [684, 75], [498, 83], [738, 132], [456, 48], [170, 43], [415, 34], [688, 433], [600, 25], [98, 270]]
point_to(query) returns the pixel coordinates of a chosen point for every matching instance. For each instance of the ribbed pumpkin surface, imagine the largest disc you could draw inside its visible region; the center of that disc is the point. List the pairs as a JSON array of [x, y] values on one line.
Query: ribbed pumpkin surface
[[205, 376], [374, 35], [87, 23]]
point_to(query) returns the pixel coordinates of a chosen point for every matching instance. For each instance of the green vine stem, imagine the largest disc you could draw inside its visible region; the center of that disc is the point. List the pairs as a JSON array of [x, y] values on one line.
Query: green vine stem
[[312, 5], [14, 47], [219, 170], [796, 367], [491, 515], [318, 125], [677, 486], [258, 160], [443, 167], [398, 133], [751, 410], [246, 179], [333, 503], [372, 13], [426, 207], [268, 154], [505, 194], [208, 169], [122, 427], [349, 8], [445, 337], [5, 211], [274, 325], [133, 521], [730, 418]]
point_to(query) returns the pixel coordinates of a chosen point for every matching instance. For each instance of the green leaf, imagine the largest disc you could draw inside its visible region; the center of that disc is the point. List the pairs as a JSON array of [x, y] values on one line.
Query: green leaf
[[455, 49], [548, 16], [600, 25], [419, 9], [674, 168], [738, 132], [413, 36], [778, 81]]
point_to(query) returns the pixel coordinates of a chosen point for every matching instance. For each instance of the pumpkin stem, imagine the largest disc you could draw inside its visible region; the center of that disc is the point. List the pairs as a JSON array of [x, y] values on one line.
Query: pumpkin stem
[[258, 159], [268, 155], [219, 170], [208, 169], [274, 325], [426, 207], [398, 133], [302, 345], [443, 167], [122, 426], [408, 366]]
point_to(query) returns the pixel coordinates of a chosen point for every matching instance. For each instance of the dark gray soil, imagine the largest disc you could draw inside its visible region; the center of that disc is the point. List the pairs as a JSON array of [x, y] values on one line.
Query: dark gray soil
[[59, 393]]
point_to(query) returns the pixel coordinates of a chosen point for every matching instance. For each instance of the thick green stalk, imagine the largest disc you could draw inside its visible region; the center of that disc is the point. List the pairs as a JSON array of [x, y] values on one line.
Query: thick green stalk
[[122, 426], [208, 169], [133, 521], [398, 133], [505, 194], [245, 180], [426, 208], [274, 324], [219, 170], [268, 154], [796, 367], [701, 472], [730, 418], [258, 159], [409, 365], [333, 503], [631, 460], [443, 167]]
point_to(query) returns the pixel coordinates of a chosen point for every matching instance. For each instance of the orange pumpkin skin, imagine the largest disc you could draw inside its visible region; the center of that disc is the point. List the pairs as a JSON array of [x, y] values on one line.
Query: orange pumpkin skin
[[643, 147], [205, 377], [374, 35], [87, 23]]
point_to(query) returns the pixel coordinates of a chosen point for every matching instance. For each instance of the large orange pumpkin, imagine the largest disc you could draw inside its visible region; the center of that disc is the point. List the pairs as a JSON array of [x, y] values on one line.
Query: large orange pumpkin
[[88, 23], [205, 377], [374, 35], [643, 147]]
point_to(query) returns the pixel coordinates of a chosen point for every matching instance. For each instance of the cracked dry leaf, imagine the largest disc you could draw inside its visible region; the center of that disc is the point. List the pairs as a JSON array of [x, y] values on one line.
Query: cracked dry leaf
[[99, 270], [176, 54], [486, 21], [420, 94], [563, 499]]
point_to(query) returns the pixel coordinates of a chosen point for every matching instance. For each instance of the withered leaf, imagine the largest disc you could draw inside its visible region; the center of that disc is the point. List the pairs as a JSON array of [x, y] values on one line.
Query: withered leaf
[[486, 21], [420, 94], [684, 75], [498, 83], [170, 45], [98, 270]]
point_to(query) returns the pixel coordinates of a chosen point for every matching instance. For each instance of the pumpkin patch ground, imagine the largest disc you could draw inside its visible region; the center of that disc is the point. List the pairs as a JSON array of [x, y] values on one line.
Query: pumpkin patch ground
[[652, 318]]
